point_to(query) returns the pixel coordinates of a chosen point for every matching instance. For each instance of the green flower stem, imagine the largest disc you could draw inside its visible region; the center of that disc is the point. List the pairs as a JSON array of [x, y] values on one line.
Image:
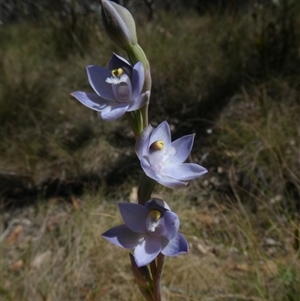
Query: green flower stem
[[144, 111], [145, 189], [137, 54], [135, 119]]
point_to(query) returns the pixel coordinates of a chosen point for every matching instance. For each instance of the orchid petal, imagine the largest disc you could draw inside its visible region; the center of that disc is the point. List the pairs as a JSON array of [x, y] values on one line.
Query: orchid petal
[[138, 78], [160, 178], [114, 111], [182, 147], [91, 100], [156, 159], [142, 143], [161, 133], [134, 216], [176, 246], [147, 250], [97, 78], [184, 172], [117, 61], [171, 182], [140, 102], [171, 224], [122, 236], [148, 169], [123, 89], [158, 204]]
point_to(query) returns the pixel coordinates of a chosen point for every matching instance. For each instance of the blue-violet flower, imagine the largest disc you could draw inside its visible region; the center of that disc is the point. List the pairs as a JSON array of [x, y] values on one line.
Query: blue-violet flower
[[118, 88], [149, 229], [162, 160]]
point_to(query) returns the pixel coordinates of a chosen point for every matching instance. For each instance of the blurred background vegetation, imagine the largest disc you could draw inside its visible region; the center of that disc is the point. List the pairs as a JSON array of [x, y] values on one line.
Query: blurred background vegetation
[[225, 70]]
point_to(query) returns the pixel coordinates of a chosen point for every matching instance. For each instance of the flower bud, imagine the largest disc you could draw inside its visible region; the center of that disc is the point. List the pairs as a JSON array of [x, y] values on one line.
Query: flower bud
[[119, 24]]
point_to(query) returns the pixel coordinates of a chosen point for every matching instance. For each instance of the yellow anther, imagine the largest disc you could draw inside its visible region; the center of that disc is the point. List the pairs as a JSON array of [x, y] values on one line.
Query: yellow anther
[[117, 72], [157, 145], [154, 215]]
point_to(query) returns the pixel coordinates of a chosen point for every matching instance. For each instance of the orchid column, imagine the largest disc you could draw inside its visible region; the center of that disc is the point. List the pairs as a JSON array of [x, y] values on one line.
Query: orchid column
[[150, 228]]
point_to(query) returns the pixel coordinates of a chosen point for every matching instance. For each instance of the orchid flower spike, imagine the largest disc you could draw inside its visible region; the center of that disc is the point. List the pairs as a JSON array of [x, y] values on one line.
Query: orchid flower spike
[[149, 229], [162, 160], [118, 88]]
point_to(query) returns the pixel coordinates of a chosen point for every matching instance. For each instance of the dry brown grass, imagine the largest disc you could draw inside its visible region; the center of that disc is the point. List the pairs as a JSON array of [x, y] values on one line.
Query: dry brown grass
[[57, 253]]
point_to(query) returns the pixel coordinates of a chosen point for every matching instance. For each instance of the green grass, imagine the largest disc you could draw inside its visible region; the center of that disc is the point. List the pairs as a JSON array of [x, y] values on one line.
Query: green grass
[[70, 168]]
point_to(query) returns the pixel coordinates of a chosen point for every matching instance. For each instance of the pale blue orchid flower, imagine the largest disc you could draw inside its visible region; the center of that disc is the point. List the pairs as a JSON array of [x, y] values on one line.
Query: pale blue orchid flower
[[162, 160], [149, 229], [118, 88]]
